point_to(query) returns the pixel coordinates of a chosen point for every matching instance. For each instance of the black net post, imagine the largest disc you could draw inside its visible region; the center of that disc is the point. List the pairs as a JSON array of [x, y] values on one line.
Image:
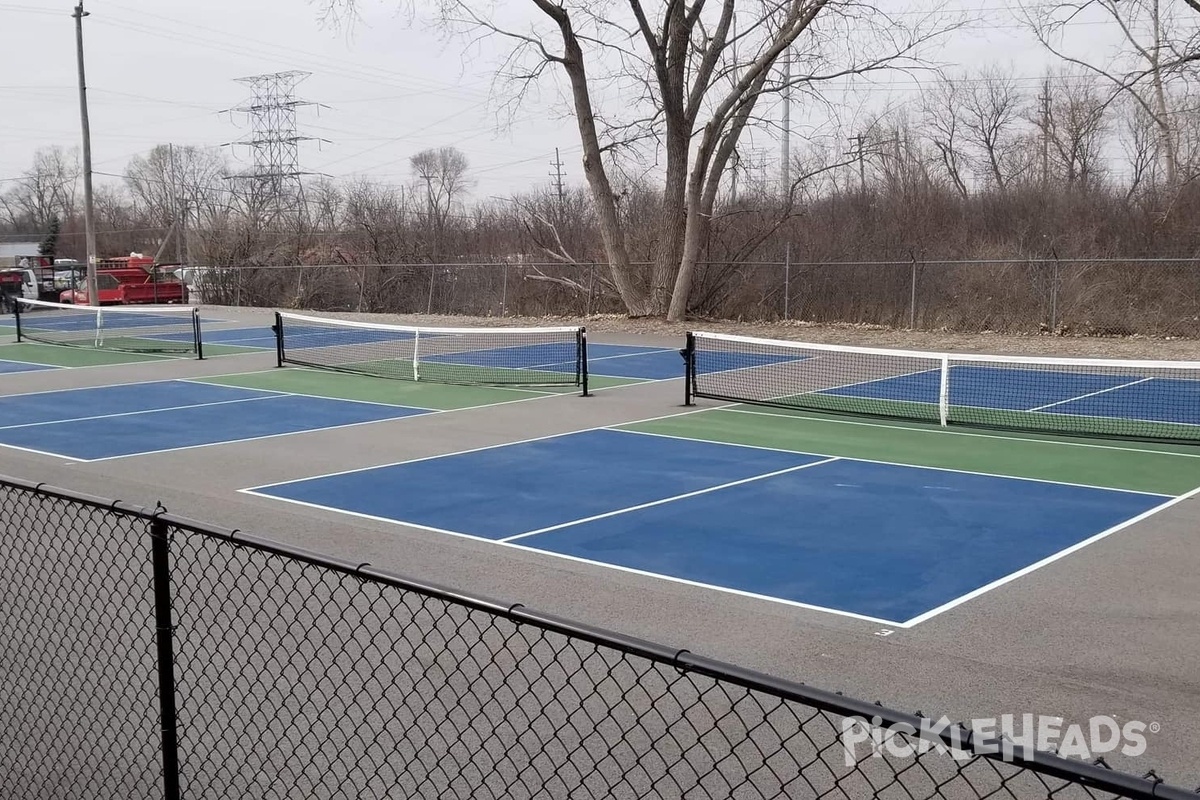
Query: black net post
[[160, 556], [17, 317], [278, 328], [198, 335], [689, 369], [581, 360]]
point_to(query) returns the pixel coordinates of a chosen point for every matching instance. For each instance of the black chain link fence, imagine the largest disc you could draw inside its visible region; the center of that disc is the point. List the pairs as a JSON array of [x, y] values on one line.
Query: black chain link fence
[[1158, 297], [145, 655]]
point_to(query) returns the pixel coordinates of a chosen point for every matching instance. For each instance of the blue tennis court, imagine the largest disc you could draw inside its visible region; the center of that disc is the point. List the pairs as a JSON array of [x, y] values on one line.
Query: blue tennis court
[[22, 366], [607, 360], [84, 319], [133, 419], [878, 541], [1098, 394]]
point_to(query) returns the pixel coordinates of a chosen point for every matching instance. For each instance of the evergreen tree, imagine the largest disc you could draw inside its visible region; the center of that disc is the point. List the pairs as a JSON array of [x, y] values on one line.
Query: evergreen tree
[[49, 245]]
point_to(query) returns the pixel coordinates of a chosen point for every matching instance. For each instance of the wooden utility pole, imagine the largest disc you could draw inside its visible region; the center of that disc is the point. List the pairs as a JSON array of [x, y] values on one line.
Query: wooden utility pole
[[785, 149], [176, 212], [88, 219], [1045, 98], [859, 153]]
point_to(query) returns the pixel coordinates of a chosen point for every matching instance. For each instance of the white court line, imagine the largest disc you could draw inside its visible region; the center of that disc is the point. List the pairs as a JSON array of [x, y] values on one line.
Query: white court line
[[139, 358], [256, 491], [939, 431], [796, 360], [332, 371], [285, 393], [136, 413], [147, 382], [591, 360], [43, 453], [34, 363], [1090, 394], [832, 389], [899, 464], [684, 496], [424, 413], [1048, 560], [477, 450], [253, 438], [579, 560]]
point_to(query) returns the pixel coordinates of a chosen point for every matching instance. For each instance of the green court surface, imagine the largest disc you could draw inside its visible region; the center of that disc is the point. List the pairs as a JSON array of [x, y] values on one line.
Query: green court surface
[[57, 356], [417, 394], [1138, 466], [1013, 419], [61, 356]]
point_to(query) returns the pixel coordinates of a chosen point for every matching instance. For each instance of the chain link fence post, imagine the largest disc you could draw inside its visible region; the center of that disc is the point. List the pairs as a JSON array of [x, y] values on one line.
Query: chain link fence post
[[429, 299], [504, 292], [160, 556], [912, 295], [787, 281], [591, 288], [1054, 273]]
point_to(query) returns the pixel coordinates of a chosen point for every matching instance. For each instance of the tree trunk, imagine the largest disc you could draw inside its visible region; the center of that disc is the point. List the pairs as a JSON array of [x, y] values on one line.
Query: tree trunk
[[636, 299], [693, 240], [711, 158], [672, 221]]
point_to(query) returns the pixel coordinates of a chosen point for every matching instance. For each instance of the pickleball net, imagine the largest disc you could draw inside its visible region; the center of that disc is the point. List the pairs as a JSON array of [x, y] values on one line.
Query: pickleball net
[[469, 356], [1153, 400], [169, 330]]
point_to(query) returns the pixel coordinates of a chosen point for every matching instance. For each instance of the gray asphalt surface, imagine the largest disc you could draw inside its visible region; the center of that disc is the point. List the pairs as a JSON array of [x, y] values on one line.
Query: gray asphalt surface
[[1113, 629]]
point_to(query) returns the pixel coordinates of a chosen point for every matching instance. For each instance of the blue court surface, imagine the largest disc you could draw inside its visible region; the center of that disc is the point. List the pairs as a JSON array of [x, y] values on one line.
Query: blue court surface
[[132, 419], [884, 542], [84, 319], [22, 366], [1052, 392]]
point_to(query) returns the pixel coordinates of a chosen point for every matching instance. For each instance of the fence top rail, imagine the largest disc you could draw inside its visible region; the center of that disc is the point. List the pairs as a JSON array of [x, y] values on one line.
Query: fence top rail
[[1096, 776], [895, 262]]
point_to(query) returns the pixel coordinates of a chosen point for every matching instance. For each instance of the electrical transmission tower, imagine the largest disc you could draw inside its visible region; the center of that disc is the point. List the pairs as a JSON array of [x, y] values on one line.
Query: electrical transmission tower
[[557, 175], [274, 181]]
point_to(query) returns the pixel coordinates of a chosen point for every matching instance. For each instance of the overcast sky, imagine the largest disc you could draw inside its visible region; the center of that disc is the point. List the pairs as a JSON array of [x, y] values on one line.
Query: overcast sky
[[163, 71]]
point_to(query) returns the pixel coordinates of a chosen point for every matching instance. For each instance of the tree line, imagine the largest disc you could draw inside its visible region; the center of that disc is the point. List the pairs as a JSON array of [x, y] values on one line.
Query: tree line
[[1098, 158]]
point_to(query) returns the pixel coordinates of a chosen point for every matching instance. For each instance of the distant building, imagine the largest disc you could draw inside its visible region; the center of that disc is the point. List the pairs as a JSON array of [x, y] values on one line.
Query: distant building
[[13, 249]]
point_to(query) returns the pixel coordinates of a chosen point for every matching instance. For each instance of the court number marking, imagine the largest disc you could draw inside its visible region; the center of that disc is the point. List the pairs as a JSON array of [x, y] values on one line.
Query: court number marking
[[884, 632]]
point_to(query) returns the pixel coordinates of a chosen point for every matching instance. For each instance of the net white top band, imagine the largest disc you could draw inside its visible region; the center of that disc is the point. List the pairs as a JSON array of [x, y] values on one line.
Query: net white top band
[[380, 326], [955, 358], [181, 310]]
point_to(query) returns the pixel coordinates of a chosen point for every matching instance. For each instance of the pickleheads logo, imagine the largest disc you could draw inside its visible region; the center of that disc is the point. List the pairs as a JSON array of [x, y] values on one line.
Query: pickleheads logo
[[862, 738]]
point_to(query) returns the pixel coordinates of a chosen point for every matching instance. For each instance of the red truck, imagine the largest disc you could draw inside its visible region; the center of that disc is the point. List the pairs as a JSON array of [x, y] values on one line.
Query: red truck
[[131, 280]]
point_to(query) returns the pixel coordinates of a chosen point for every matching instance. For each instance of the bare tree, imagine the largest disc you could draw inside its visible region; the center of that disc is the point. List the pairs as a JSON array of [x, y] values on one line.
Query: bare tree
[[1073, 123], [171, 178], [689, 80], [441, 178], [942, 107], [991, 114], [46, 190], [1159, 50]]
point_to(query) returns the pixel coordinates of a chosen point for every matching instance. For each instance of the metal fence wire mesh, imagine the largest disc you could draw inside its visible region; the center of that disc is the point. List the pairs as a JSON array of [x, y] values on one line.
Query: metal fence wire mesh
[[1158, 297], [296, 675]]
